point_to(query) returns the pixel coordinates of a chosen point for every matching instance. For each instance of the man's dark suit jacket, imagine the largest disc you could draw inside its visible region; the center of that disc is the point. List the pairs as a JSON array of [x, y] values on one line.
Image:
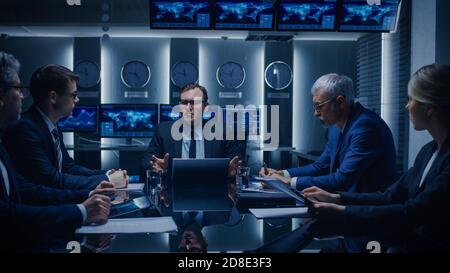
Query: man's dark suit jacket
[[163, 143], [418, 215], [360, 159], [31, 147], [32, 214]]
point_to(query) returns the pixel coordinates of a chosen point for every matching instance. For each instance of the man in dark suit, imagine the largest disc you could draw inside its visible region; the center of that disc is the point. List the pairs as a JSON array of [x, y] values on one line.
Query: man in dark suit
[[37, 140], [191, 143], [360, 152], [31, 214]]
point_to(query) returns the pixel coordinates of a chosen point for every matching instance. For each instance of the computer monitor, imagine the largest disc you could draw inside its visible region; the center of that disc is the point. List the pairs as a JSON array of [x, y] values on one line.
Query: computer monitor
[[245, 15], [248, 120], [165, 113], [293, 15], [82, 119], [128, 120], [176, 14], [358, 15], [200, 184]]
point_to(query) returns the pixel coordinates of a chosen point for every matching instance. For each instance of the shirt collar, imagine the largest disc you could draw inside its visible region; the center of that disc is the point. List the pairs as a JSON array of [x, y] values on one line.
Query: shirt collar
[[47, 121]]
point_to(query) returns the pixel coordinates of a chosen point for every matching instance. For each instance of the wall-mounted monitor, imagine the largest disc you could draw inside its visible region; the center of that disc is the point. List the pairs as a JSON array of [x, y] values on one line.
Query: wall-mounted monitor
[[170, 14], [246, 121], [165, 113], [128, 120], [303, 15], [82, 119], [245, 15], [380, 16]]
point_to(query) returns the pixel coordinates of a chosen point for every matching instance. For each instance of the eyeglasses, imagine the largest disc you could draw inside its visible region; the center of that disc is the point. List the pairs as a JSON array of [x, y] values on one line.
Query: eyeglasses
[[24, 90], [187, 102], [320, 105], [73, 95]]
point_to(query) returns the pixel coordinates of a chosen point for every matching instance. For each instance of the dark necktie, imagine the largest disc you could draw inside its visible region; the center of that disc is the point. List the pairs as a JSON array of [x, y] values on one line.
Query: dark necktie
[[58, 148], [192, 149]]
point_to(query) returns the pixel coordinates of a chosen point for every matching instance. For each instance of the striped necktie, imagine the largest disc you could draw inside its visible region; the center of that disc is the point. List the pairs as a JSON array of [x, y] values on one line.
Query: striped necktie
[[58, 148]]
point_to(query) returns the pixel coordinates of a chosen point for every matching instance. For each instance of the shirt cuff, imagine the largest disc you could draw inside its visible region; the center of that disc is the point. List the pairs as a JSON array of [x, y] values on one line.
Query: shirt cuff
[[107, 175], [286, 173], [294, 183], [83, 212]]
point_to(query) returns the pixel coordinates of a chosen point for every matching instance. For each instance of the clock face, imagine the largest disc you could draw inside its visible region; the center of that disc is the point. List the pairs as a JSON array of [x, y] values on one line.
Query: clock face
[[135, 74], [278, 75], [183, 73], [230, 75], [89, 73]]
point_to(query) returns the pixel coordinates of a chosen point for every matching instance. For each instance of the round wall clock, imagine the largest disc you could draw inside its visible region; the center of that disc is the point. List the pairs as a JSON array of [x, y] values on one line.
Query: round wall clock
[[230, 75], [135, 74], [89, 73], [183, 73], [278, 75]]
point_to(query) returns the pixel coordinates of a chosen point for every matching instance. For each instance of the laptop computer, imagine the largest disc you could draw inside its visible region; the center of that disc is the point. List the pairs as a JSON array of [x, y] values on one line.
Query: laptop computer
[[200, 184]]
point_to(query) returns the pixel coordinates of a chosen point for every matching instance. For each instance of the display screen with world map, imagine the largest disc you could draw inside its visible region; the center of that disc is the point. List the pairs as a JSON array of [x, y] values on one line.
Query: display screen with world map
[[306, 15], [244, 15], [120, 120], [82, 119], [191, 14], [359, 15]]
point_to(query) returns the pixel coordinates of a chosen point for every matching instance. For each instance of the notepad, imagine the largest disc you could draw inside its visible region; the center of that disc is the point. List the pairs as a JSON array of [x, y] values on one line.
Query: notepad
[[133, 187], [131, 226], [294, 212]]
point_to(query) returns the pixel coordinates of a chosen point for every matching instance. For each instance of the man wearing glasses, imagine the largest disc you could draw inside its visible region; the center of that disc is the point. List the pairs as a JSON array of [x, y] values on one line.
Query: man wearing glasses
[[33, 216], [360, 153], [36, 145], [163, 146]]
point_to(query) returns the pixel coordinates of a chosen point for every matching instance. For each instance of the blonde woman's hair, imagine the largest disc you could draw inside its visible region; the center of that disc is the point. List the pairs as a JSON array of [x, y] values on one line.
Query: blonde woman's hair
[[431, 85]]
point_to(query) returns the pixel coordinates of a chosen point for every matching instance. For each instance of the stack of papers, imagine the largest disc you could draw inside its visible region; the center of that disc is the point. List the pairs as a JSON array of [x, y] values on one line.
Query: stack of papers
[[134, 187], [295, 212], [131, 225]]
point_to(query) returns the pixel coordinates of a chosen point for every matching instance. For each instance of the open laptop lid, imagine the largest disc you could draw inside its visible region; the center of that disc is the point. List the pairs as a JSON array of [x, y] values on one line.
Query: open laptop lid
[[200, 185]]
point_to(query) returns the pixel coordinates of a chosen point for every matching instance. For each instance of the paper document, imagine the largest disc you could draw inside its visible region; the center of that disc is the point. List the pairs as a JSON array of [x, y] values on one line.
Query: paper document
[[131, 225], [300, 212], [133, 187], [118, 179]]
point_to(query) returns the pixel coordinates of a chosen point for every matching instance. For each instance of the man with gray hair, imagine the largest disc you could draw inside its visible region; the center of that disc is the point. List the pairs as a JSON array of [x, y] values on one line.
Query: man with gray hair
[[360, 152]]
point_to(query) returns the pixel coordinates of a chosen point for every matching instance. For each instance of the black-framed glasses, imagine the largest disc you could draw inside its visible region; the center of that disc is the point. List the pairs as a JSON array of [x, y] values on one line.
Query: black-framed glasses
[[24, 90], [318, 106], [189, 102], [74, 95]]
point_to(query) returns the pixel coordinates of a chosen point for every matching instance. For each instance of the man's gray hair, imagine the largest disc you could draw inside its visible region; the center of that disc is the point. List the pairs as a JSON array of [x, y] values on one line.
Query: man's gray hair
[[334, 85], [9, 67]]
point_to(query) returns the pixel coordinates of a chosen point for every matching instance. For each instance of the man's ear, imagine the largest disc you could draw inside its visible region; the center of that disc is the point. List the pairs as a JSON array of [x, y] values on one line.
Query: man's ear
[[340, 99], [52, 96], [430, 110]]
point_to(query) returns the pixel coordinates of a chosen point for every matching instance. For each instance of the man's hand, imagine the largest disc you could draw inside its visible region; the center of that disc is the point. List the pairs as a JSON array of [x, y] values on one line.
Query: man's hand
[[285, 180], [233, 166], [326, 209], [270, 171], [97, 207], [317, 194], [159, 165], [105, 188]]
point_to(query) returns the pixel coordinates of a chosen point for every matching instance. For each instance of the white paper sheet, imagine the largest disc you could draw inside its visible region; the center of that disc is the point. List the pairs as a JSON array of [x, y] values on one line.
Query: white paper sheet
[[300, 212], [131, 225], [134, 187]]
